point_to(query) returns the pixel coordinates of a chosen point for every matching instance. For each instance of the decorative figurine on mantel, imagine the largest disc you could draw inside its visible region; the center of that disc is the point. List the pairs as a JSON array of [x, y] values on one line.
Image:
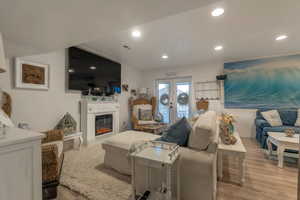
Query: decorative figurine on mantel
[[227, 129], [67, 124]]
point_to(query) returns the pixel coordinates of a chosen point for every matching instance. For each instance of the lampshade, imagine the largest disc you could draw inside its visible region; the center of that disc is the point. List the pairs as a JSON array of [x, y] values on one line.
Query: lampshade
[[2, 56]]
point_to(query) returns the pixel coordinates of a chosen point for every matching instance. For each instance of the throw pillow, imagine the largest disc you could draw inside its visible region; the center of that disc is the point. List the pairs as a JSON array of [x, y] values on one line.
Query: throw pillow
[[177, 133], [204, 131], [297, 123], [136, 108], [145, 115], [272, 117]]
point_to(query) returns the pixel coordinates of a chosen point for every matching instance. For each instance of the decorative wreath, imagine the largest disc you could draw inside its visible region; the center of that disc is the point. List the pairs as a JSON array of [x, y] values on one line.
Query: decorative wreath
[[183, 98], [164, 99]]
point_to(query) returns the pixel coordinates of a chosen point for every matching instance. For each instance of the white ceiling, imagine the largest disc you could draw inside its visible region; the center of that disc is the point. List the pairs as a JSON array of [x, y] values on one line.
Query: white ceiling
[[246, 30], [47, 25]]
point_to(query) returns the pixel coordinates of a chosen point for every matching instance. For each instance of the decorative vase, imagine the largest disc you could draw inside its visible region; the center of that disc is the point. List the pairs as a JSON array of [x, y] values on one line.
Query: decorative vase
[[227, 129]]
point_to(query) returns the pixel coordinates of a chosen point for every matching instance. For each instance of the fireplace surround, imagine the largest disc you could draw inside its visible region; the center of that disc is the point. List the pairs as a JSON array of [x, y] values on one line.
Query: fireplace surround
[[98, 120]]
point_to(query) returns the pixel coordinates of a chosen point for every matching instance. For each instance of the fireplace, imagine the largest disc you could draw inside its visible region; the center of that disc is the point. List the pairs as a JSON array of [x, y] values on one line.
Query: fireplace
[[99, 120], [103, 124]]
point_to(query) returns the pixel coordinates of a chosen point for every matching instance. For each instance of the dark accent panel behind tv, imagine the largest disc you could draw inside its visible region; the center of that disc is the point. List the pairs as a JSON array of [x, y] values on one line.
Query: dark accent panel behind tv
[[106, 76]]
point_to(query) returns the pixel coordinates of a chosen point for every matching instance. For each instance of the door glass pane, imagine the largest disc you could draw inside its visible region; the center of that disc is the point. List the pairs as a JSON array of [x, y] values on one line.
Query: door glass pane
[[163, 101], [183, 98]]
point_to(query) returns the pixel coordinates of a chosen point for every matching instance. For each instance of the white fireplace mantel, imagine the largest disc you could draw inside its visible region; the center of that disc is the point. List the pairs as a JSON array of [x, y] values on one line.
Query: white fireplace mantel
[[89, 111]]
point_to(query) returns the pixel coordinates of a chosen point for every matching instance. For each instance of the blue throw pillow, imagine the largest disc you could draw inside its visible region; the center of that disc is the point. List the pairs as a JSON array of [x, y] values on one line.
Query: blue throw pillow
[[177, 133]]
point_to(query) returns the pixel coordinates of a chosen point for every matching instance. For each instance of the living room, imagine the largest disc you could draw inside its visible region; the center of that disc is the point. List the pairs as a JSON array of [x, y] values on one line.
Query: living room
[[231, 64]]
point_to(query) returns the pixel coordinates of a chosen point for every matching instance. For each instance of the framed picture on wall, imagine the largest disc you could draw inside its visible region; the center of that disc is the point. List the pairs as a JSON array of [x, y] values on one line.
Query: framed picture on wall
[[31, 75]]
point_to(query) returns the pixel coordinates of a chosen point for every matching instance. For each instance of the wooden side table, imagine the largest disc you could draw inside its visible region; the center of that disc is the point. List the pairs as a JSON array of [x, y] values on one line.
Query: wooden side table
[[238, 151], [77, 139], [156, 129]]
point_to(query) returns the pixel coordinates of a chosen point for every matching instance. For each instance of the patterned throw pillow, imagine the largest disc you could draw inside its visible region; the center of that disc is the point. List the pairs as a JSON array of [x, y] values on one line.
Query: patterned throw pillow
[[272, 117], [145, 115], [177, 133]]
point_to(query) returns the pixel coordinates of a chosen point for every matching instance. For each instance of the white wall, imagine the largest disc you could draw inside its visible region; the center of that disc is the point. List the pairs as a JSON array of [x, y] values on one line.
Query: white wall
[[205, 72], [132, 77], [43, 109]]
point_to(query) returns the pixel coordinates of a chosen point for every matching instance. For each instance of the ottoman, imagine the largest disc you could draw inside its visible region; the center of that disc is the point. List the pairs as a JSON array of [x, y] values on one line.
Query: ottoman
[[117, 149]]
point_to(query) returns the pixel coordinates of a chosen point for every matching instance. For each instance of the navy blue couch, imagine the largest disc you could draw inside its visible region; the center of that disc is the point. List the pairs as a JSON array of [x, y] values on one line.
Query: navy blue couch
[[288, 118]]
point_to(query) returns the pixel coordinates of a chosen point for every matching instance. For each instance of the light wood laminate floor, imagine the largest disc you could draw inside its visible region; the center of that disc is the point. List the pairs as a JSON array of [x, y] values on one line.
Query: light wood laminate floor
[[264, 180]]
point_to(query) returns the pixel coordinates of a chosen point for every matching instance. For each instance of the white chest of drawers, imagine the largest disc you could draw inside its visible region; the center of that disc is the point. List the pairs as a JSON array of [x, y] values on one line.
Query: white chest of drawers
[[20, 165]]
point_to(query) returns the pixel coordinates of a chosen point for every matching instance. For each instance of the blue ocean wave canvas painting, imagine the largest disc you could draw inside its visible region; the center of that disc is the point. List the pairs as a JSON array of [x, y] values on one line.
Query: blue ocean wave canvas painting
[[263, 83]]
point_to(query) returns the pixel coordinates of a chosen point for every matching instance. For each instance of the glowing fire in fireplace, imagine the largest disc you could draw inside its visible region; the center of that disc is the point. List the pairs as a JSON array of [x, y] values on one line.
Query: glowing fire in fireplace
[[103, 130]]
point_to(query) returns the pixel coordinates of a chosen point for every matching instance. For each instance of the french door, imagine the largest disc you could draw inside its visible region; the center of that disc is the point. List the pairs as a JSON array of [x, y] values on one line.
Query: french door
[[173, 98]]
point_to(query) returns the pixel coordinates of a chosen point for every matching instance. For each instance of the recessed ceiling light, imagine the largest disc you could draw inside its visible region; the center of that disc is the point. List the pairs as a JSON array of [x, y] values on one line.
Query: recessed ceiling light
[[164, 56], [92, 67], [218, 48], [217, 12], [136, 34], [71, 70], [281, 37]]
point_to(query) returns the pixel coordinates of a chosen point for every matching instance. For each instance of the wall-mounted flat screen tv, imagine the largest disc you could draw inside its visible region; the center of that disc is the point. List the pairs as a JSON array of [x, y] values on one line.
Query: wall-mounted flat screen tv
[[90, 72]]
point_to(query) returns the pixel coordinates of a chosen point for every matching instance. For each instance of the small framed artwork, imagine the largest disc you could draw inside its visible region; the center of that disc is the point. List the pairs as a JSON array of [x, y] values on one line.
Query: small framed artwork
[[31, 75]]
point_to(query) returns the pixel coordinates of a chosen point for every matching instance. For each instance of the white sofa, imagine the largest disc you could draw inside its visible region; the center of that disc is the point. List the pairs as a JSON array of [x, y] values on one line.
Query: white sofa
[[198, 162]]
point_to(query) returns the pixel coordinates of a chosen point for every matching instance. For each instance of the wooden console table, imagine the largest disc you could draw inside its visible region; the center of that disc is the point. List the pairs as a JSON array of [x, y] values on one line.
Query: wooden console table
[[238, 151]]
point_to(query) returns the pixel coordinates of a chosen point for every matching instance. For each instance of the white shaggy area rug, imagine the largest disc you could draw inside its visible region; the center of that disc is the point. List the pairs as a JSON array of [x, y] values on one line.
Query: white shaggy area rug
[[84, 173]]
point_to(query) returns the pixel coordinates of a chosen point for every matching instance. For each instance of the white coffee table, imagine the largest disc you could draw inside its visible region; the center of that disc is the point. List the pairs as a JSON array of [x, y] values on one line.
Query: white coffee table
[[283, 143], [238, 151]]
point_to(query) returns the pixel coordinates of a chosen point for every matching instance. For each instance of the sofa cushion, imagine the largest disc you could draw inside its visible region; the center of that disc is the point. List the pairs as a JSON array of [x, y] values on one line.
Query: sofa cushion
[[273, 118], [280, 129], [177, 133], [261, 123], [145, 114], [141, 122], [288, 116], [126, 139], [204, 131], [140, 106], [198, 177]]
